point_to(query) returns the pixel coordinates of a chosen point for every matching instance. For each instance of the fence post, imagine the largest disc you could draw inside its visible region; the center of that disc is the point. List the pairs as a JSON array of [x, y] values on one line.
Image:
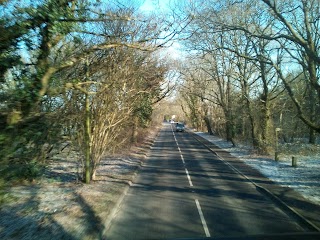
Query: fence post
[[276, 154], [294, 162]]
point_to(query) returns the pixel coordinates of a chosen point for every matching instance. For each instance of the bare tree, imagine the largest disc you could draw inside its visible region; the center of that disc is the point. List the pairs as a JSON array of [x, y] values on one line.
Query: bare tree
[[271, 44], [295, 28], [57, 83]]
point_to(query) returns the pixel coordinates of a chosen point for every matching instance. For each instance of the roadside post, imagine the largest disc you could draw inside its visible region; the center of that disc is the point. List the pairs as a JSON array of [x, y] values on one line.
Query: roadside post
[[294, 162], [276, 153]]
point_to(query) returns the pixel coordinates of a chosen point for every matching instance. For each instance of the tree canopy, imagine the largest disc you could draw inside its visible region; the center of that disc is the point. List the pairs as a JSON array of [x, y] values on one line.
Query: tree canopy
[[84, 69]]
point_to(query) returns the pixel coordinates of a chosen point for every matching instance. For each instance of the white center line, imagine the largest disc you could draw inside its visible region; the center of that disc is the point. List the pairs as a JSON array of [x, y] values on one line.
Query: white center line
[[182, 159], [179, 149], [181, 154], [203, 221], [189, 178], [204, 224]]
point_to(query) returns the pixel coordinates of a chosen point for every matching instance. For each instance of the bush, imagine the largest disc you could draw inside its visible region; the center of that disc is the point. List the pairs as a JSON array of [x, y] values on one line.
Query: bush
[[24, 148]]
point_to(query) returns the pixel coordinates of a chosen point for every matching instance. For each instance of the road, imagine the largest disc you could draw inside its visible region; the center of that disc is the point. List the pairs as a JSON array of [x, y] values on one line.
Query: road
[[185, 191]]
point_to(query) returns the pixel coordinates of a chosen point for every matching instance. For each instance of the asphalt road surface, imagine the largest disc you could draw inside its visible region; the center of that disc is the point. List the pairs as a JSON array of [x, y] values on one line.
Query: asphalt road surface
[[184, 191]]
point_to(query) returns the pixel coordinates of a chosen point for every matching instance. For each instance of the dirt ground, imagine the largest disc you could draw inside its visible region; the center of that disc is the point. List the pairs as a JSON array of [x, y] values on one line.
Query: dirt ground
[[59, 206]]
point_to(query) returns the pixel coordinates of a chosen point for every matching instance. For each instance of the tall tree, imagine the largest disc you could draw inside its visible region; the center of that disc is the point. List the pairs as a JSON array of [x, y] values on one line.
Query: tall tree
[[55, 38], [295, 28]]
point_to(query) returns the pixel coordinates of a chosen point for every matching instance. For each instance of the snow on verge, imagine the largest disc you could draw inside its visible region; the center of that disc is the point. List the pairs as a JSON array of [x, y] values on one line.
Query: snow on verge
[[305, 178]]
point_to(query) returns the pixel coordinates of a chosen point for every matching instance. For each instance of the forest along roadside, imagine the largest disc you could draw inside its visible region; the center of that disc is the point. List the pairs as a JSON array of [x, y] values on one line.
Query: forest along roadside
[[60, 205]]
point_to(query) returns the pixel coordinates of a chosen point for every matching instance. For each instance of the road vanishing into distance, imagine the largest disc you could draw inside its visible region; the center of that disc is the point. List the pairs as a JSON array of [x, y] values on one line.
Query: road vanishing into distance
[[183, 190]]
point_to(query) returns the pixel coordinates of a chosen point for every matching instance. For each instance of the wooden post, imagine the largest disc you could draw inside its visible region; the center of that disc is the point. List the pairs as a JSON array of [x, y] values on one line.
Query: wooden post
[[276, 154], [294, 162]]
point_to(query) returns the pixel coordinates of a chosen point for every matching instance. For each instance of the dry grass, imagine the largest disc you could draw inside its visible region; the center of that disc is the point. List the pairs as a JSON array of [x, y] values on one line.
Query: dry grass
[[58, 206]]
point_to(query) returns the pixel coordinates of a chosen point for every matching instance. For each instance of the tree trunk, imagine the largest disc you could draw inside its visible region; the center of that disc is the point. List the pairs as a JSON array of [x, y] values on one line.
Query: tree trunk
[[265, 122], [312, 136], [255, 141], [208, 124], [87, 141], [312, 133], [230, 131], [265, 127]]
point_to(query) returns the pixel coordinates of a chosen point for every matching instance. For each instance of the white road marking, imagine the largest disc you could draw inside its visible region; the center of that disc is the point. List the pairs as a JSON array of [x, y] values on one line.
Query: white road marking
[[189, 178], [179, 149], [182, 159], [181, 154], [203, 221], [204, 224]]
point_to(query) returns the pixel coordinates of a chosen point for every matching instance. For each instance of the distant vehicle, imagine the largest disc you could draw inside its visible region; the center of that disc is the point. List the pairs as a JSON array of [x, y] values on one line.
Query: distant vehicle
[[180, 127]]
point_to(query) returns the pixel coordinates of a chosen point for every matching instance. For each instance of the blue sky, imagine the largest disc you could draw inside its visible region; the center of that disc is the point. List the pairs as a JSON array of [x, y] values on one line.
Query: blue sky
[[152, 5]]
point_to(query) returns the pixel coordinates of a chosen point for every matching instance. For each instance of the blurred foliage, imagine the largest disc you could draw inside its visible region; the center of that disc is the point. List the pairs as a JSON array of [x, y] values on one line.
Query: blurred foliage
[[25, 147]]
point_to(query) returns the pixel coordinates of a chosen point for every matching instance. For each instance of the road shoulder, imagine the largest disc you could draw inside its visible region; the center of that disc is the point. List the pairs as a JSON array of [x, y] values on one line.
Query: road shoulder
[[283, 195]]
